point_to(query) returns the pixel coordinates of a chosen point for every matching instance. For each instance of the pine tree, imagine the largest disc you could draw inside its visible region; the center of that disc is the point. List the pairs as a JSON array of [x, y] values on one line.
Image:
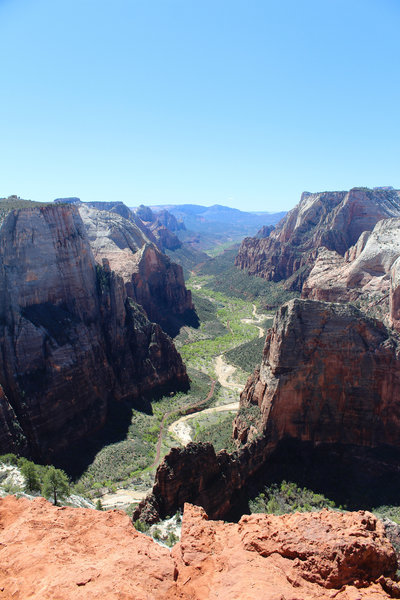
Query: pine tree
[[31, 475], [55, 483]]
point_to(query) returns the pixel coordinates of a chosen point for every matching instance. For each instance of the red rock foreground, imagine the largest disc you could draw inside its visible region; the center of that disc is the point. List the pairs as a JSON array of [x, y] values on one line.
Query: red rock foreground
[[52, 553]]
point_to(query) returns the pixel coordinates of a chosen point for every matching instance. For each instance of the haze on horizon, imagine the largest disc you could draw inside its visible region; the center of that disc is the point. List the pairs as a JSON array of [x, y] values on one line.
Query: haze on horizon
[[241, 103]]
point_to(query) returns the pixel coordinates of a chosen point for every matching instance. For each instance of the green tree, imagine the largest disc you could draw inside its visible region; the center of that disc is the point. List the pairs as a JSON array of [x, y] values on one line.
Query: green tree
[[31, 475], [55, 484], [99, 505]]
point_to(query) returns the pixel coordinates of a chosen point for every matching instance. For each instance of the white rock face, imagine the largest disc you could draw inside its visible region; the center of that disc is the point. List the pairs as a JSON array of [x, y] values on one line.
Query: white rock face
[[363, 273]]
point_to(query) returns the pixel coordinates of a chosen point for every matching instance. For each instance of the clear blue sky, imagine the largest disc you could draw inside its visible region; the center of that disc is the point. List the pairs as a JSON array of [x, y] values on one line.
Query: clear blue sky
[[239, 102]]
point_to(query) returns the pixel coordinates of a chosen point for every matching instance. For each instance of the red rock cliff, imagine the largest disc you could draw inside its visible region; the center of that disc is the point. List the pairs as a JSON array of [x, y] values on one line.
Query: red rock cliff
[[326, 393], [70, 339], [328, 375]]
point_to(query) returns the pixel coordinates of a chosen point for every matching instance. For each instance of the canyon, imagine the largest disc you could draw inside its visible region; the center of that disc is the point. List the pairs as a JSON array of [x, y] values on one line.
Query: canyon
[[81, 553], [78, 286], [72, 341]]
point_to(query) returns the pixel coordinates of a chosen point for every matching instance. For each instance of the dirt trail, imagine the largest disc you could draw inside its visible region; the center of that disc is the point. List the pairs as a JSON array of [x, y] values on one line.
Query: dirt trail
[[257, 319], [190, 410], [224, 373], [122, 498], [182, 430]]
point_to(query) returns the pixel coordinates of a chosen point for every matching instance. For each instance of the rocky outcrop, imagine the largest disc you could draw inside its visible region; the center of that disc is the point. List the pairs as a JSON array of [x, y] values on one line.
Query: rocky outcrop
[[265, 231], [362, 275], [394, 297], [48, 552], [150, 277], [167, 219], [70, 339], [334, 220], [162, 225], [157, 284], [329, 375]]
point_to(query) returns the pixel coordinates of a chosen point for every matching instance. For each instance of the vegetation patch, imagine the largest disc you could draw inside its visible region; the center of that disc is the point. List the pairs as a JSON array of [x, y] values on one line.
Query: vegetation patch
[[215, 428], [130, 460], [223, 276], [288, 497], [247, 356]]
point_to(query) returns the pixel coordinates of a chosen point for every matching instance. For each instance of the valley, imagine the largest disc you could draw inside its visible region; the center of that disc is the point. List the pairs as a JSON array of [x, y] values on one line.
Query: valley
[[123, 471]]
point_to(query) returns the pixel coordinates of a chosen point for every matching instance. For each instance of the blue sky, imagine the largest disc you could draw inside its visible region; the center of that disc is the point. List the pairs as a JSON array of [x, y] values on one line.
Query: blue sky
[[242, 103]]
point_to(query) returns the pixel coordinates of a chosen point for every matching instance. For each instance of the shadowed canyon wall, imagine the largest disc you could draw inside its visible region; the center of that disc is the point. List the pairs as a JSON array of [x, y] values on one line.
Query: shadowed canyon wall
[[70, 338]]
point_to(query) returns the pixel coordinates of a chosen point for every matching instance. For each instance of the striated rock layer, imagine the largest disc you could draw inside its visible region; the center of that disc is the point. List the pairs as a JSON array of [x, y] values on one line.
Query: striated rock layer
[[67, 553], [334, 220], [70, 339]]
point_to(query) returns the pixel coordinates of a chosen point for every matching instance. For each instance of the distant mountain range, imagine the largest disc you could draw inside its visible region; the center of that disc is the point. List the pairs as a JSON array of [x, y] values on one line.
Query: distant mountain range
[[217, 224]]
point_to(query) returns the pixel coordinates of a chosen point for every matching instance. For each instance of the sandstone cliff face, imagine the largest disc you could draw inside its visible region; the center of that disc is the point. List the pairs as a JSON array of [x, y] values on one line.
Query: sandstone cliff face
[[150, 277], [362, 274], [328, 375], [334, 220], [70, 339], [48, 552], [157, 284]]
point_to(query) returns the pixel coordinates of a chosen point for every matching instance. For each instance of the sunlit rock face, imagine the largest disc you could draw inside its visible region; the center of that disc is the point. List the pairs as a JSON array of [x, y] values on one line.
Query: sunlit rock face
[[334, 220], [150, 277], [329, 374], [66, 553], [70, 338], [362, 275], [326, 393]]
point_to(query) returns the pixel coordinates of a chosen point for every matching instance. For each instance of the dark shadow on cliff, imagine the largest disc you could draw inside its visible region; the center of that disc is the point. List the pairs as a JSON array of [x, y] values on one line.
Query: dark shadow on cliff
[[81, 454], [172, 324], [353, 477]]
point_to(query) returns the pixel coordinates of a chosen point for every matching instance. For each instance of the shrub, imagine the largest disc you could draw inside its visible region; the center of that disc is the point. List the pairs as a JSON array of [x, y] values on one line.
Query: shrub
[[9, 459]]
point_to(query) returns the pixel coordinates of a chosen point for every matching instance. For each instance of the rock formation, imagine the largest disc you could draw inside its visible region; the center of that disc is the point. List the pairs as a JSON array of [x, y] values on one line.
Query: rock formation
[[150, 277], [70, 339], [48, 552], [394, 298], [328, 386], [162, 225], [265, 231], [334, 220], [329, 375], [362, 275]]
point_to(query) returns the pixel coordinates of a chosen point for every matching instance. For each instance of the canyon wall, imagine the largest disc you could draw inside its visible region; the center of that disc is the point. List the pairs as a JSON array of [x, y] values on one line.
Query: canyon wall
[[150, 277], [329, 374], [334, 220], [362, 275], [70, 338]]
